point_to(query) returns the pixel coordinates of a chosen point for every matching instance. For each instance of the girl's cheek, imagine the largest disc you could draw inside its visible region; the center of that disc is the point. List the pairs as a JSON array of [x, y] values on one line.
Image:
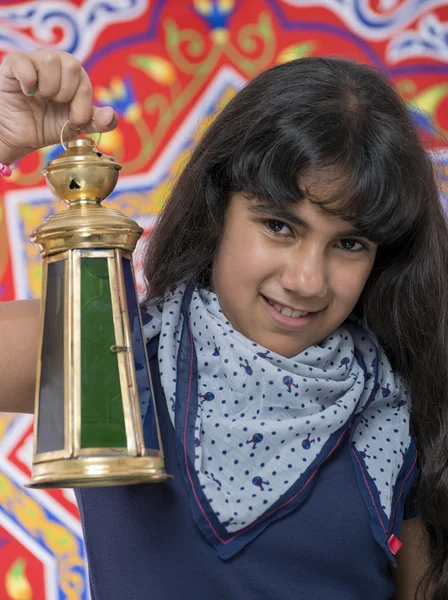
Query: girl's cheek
[[349, 283], [249, 254]]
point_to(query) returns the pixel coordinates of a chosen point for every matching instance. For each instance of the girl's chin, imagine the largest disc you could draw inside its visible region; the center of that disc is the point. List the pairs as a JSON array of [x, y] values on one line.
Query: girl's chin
[[278, 342]]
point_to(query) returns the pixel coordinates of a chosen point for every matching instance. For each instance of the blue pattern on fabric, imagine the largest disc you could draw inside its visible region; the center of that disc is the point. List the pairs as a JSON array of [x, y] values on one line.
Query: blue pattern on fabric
[[253, 427]]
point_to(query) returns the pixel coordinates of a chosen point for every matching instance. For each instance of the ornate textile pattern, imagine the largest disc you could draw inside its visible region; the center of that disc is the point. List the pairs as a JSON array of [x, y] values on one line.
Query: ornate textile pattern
[[168, 67]]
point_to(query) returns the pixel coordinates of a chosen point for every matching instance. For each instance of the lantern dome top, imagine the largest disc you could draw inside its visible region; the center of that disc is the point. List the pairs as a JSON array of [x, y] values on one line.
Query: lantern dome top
[[82, 173], [82, 177]]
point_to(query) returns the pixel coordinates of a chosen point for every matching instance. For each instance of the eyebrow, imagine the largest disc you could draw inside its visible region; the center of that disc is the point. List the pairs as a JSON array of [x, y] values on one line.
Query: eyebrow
[[283, 214]]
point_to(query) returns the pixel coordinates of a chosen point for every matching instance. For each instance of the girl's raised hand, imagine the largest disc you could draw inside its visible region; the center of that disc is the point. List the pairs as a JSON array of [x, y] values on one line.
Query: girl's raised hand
[[39, 91]]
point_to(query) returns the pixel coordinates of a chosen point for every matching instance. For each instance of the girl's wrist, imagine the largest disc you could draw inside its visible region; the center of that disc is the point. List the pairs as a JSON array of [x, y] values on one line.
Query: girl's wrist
[[8, 155]]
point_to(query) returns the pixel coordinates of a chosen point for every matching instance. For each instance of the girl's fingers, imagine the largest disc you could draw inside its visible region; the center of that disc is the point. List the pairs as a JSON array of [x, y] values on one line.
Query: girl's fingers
[[49, 73], [18, 69], [81, 98], [58, 77], [106, 119]]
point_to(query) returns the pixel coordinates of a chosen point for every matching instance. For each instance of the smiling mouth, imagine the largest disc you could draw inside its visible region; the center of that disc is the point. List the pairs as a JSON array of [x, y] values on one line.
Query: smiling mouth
[[287, 311]]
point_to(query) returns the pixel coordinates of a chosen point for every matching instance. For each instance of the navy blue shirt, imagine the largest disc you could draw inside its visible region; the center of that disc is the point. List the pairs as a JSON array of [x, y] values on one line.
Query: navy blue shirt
[[142, 542]]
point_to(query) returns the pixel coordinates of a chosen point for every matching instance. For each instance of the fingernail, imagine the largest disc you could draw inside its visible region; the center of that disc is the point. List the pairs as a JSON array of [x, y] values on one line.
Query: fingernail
[[31, 92], [112, 116]]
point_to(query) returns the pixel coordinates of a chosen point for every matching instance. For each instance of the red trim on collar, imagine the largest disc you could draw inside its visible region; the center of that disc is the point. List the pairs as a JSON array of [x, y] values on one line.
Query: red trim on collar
[[394, 544]]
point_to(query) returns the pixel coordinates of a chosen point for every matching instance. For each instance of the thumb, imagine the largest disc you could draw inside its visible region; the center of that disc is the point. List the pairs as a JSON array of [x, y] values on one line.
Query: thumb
[[105, 117]]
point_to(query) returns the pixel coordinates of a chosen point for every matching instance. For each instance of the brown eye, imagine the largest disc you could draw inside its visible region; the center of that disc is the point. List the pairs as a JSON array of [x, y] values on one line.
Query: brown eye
[[350, 245], [276, 226]]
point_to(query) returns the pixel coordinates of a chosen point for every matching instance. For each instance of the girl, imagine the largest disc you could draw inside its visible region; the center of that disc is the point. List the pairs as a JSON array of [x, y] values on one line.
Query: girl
[[296, 329]]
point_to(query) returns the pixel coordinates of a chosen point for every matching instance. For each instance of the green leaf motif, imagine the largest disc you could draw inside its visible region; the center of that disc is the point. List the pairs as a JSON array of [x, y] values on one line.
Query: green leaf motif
[[247, 65], [304, 49], [172, 33], [144, 62], [203, 68], [264, 23], [18, 568]]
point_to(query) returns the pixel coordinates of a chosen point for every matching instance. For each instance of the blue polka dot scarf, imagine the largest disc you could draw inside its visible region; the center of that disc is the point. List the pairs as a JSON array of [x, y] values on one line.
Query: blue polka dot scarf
[[263, 422]]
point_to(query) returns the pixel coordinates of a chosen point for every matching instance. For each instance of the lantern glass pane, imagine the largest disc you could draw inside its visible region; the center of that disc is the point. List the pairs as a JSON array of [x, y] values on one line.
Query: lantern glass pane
[[150, 433], [50, 429], [102, 418]]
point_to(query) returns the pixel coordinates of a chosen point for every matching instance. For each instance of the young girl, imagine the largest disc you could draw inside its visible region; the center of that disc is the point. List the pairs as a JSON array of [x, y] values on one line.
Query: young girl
[[297, 334]]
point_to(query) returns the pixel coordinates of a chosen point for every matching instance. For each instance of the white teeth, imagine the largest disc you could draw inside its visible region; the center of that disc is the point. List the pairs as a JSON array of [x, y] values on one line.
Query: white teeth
[[287, 312]]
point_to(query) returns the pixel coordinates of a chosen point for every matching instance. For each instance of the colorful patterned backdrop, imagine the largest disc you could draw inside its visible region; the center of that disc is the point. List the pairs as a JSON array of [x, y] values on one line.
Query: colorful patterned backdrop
[[167, 67]]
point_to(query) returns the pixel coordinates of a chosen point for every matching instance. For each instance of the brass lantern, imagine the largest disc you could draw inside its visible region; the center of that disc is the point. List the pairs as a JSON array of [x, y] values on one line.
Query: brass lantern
[[95, 416]]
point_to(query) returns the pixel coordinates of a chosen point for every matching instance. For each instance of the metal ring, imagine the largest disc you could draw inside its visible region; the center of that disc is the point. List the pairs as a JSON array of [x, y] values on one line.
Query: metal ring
[[62, 135]]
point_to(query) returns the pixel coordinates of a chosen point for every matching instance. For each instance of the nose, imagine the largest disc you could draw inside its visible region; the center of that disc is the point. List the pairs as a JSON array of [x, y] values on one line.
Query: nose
[[305, 273]]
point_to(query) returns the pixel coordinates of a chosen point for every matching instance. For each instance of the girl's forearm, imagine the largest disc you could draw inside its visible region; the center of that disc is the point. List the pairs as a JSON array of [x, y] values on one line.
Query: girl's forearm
[[19, 339]]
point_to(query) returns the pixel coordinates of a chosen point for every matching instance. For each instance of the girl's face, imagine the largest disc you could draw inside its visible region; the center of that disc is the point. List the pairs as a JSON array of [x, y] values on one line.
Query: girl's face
[[287, 278]]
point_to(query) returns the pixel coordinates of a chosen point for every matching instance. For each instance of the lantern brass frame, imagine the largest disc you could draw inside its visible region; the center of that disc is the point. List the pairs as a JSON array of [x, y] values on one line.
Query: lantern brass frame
[[75, 466], [86, 229]]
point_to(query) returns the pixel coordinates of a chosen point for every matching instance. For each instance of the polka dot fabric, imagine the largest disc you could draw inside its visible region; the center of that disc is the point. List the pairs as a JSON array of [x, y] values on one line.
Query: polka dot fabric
[[263, 421]]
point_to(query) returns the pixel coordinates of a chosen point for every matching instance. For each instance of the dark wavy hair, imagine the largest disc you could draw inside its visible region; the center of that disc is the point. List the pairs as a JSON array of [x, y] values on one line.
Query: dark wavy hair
[[328, 113]]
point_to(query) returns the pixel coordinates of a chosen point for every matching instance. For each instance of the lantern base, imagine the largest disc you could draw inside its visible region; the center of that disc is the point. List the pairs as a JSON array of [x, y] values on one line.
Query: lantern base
[[98, 471]]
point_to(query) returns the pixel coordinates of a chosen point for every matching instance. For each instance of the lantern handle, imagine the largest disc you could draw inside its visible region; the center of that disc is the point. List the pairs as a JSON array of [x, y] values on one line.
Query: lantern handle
[[62, 135]]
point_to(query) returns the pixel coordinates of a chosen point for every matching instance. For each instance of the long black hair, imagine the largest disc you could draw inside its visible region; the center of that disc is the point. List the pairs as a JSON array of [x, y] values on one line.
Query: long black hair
[[329, 114]]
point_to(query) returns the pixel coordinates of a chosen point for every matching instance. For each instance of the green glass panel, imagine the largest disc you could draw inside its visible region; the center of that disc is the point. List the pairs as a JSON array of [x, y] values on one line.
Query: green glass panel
[[50, 429], [102, 419]]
